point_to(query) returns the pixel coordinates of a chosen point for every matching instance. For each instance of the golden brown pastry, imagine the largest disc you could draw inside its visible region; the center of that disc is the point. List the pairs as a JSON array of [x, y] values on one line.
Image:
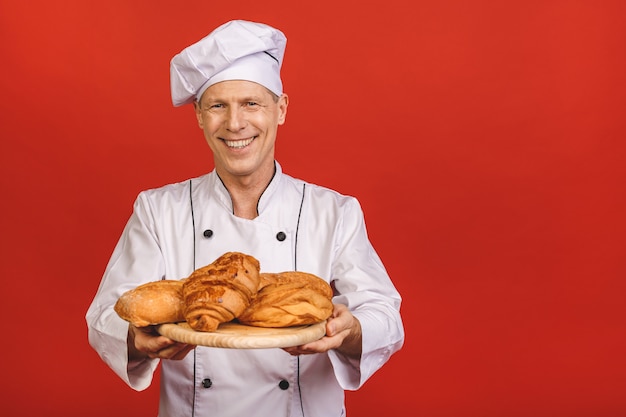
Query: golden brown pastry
[[289, 299], [152, 303], [221, 291]]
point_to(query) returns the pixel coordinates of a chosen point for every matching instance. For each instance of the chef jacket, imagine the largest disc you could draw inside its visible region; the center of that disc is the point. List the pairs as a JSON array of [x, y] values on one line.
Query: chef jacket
[[180, 227]]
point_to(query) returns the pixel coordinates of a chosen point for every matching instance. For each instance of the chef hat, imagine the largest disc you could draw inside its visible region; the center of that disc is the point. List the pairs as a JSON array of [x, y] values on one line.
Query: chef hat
[[237, 50]]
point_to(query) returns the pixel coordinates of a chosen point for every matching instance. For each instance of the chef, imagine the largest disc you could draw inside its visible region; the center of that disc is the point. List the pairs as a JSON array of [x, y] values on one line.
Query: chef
[[247, 204]]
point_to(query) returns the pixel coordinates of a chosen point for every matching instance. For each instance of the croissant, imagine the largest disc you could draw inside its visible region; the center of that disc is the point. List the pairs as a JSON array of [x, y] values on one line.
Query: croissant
[[221, 291], [152, 303], [288, 299]]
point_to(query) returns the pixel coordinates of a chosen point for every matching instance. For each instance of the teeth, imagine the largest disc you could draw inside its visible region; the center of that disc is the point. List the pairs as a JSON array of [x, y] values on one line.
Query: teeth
[[238, 144]]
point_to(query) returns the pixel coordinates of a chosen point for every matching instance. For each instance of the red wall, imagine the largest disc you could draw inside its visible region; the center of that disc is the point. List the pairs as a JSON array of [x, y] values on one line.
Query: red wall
[[485, 140]]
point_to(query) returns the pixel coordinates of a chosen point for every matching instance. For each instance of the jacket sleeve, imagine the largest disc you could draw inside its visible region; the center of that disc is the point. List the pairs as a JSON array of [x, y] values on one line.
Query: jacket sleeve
[[136, 259], [364, 286]]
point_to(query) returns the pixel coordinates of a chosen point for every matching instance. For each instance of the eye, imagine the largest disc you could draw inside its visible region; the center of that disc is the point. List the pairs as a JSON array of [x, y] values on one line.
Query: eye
[[213, 106], [252, 104]]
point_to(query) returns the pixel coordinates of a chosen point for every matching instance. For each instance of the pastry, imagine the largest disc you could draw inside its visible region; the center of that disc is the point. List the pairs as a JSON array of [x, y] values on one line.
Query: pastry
[[152, 303], [221, 291], [289, 299]]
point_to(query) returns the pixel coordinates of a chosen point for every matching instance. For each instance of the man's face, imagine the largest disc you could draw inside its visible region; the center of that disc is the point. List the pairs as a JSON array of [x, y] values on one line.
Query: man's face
[[240, 120]]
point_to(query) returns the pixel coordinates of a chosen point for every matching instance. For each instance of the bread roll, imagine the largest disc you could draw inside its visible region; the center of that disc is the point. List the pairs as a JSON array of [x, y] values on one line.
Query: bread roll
[[152, 303], [221, 291], [289, 299]]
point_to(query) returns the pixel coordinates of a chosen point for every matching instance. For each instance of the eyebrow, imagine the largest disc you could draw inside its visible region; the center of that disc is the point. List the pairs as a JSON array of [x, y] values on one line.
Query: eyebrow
[[244, 99]]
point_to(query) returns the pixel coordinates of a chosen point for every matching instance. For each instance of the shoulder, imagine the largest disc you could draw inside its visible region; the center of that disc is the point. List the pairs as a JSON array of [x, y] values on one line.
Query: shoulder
[[175, 189], [172, 194], [322, 195]]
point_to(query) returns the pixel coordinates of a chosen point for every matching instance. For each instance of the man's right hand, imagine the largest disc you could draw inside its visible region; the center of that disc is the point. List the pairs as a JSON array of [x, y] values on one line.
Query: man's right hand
[[147, 342]]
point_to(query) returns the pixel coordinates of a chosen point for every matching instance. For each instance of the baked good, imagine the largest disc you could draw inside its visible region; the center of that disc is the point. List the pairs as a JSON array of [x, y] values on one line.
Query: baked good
[[289, 298], [232, 287], [152, 303], [221, 291]]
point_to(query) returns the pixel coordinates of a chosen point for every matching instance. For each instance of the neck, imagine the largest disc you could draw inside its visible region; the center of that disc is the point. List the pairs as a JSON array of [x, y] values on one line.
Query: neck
[[245, 191]]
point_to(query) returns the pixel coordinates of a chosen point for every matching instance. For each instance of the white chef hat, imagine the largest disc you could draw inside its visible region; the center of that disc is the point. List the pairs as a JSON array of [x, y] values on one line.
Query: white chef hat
[[237, 50]]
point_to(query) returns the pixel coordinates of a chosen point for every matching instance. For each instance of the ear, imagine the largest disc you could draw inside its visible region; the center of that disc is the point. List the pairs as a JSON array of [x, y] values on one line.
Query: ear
[[283, 102], [196, 108]]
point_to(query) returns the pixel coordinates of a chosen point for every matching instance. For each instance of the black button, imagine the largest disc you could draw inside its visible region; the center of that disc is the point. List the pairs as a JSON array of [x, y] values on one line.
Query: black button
[[208, 233], [281, 236], [207, 383], [284, 384]]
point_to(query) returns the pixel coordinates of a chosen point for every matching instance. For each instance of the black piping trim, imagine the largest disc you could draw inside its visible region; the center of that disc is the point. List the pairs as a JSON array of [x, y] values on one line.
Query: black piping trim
[[295, 263], [258, 201], [272, 56], [193, 225], [295, 267], [263, 192], [193, 229], [295, 244], [299, 388]]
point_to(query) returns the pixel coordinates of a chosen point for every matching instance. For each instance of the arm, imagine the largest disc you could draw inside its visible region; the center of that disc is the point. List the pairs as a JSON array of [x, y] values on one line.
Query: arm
[[366, 327], [136, 259]]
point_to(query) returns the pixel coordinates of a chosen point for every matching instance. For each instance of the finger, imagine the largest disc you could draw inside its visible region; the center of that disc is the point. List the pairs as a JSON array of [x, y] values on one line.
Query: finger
[[298, 352], [177, 351], [148, 330], [182, 352], [320, 346], [157, 344]]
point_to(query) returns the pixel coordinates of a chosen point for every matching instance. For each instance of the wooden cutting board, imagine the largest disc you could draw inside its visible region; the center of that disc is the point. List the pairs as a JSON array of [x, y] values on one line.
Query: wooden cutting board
[[238, 336]]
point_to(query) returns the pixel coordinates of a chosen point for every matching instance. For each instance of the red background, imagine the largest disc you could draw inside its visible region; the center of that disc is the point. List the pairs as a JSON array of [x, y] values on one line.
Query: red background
[[485, 140]]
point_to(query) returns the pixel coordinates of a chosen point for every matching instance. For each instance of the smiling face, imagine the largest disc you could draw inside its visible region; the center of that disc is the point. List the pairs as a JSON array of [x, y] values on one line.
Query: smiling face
[[240, 121]]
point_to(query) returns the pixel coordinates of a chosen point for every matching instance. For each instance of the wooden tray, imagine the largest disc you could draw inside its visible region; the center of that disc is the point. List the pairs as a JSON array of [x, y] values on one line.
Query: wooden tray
[[238, 336]]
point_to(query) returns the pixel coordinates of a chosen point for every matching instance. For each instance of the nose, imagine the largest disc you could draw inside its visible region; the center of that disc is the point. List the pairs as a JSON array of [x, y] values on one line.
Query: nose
[[235, 119]]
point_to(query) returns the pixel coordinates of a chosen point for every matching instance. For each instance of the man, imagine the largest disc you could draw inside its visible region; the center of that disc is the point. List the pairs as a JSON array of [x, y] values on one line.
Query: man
[[247, 204]]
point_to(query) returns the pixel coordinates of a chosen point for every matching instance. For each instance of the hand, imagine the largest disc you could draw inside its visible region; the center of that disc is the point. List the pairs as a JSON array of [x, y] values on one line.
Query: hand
[[343, 332], [147, 342]]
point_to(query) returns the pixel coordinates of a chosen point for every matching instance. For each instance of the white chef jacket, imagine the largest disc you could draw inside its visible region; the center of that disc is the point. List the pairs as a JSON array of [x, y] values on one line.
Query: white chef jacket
[[180, 227]]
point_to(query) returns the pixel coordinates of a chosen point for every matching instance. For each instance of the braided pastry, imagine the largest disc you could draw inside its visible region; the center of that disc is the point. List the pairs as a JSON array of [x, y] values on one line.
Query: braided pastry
[[220, 291]]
